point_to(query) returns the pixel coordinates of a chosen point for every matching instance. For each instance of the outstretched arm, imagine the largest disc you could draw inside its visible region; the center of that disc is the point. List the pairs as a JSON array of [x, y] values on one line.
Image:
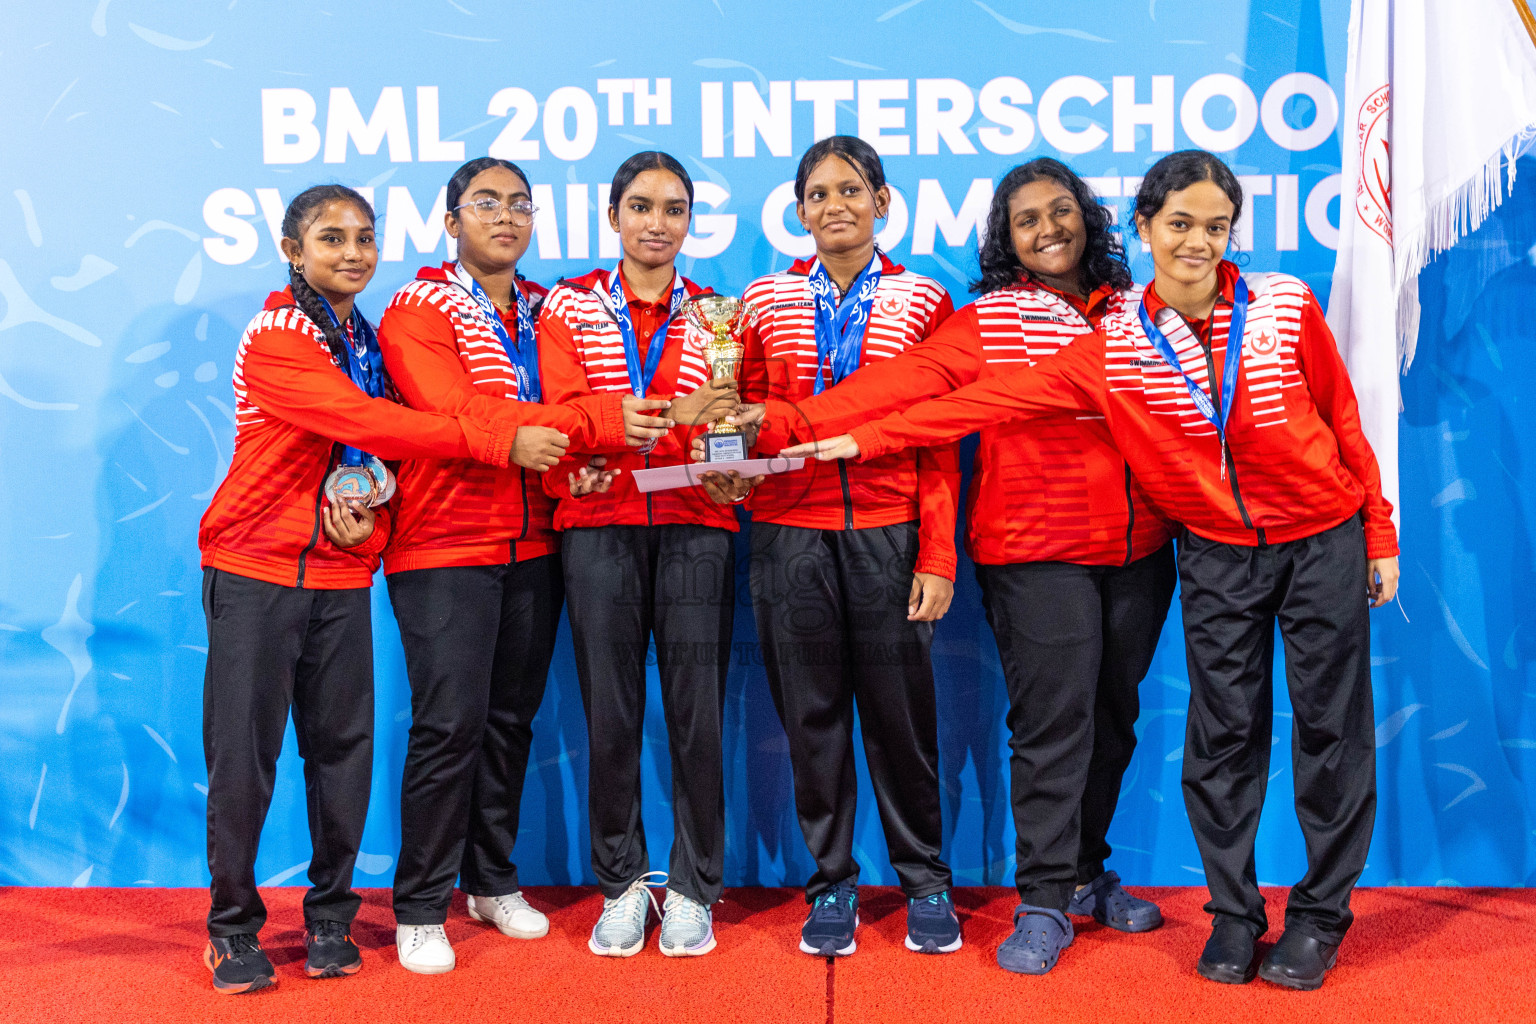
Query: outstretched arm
[[1072, 379], [288, 376]]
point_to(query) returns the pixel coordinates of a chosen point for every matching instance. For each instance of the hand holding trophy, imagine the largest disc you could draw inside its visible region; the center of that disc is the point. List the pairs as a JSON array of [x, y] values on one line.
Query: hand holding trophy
[[722, 319]]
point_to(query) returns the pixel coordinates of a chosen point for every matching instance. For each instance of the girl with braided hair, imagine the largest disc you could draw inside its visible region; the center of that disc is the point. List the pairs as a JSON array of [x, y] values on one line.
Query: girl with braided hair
[[289, 546]]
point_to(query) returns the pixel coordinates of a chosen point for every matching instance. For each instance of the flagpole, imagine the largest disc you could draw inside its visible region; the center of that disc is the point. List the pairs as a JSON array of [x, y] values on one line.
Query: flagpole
[[1524, 10]]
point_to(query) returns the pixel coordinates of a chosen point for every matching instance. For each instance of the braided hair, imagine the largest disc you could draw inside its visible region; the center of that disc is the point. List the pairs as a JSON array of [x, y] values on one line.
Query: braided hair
[[1103, 255], [304, 208]]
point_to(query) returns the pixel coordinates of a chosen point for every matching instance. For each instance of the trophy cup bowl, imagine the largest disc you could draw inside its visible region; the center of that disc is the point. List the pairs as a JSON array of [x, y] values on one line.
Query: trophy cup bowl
[[722, 319]]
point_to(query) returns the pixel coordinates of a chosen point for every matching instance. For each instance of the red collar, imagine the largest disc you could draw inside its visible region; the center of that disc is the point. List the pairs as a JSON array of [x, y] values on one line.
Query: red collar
[[444, 275], [631, 299], [803, 267], [1090, 307], [1226, 277], [277, 300], [597, 281]]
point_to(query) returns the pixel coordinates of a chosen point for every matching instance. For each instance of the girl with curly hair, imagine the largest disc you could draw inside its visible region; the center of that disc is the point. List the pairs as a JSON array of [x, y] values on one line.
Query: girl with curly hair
[[1076, 569], [1227, 394]]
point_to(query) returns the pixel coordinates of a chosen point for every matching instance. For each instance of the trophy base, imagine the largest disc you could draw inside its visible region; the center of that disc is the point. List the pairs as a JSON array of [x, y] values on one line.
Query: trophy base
[[724, 448]]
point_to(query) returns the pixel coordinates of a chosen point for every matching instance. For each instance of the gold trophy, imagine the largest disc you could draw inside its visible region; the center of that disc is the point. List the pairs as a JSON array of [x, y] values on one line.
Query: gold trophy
[[723, 319]]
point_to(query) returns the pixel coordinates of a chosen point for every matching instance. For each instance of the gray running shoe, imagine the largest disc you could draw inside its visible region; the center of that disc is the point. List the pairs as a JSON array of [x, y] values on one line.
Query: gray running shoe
[[620, 931], [687, 927]]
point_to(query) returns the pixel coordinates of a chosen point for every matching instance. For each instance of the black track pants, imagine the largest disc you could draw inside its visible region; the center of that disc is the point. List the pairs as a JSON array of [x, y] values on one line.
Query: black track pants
[[1075, 641], [271, 649], [831, 611], [624, 584], [1233, 597], [478, 642]]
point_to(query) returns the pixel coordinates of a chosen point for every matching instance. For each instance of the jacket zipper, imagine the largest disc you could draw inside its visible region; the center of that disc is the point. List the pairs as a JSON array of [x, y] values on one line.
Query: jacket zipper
[[1226, 449], [1130, 517], [314, 535], [842, 472], [512, 544]]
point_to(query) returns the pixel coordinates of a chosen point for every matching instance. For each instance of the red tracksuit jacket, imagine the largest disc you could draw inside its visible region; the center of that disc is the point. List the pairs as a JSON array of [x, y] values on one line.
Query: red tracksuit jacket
[[1297, 462], [1053, 488], [780, 364], [294, 407], [443, 358], [581, 354]]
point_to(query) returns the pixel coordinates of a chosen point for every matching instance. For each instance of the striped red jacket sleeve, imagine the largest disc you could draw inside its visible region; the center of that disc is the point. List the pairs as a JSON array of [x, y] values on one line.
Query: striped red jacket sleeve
[[423, 359], [564, 380], [938, 483], [288, 376], [947, 359], [1071, 379], [1328, 382]]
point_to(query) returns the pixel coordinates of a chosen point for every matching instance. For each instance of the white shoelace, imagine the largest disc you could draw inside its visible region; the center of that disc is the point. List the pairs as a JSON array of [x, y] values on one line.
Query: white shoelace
[[509, 904], [689, 911], [627, 906], [423, 934]]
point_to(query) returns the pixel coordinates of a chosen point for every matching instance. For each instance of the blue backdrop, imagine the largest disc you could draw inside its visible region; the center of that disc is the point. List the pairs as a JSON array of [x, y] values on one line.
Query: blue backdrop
[[150, 148]]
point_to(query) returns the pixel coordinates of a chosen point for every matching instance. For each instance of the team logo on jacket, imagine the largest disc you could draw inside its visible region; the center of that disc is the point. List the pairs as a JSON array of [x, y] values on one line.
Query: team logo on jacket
[[1266, 344], [893, 308]]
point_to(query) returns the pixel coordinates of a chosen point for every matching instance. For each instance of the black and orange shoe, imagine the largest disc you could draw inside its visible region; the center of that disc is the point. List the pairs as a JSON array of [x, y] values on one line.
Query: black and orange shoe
[[238, 964], [332, 953]]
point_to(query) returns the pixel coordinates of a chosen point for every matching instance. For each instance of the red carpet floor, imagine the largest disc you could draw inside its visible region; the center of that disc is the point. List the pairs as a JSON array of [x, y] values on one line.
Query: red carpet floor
[[127, 955]]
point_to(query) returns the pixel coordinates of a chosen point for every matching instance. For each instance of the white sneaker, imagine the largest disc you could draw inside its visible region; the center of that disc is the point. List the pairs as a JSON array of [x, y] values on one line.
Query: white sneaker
[[424, 948], [511, 914], [620, 931]]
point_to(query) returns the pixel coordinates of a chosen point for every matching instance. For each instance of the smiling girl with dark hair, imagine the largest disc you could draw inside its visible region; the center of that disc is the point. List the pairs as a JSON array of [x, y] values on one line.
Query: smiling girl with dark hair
[[1228, 397]]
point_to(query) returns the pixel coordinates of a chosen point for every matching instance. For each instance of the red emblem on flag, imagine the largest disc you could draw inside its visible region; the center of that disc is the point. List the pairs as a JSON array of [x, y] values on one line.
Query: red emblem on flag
[[892, 307], [1373, 192]]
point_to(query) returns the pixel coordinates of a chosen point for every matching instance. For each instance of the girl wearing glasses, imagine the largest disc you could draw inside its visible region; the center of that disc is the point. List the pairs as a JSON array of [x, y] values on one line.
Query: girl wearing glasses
[[638, 565], [473, 570], [288, 561]]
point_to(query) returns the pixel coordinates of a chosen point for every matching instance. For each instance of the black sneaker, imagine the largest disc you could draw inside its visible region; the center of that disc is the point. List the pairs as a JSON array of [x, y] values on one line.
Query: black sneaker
[[932, 926], [238, 964], [332, 953], [828, 929]]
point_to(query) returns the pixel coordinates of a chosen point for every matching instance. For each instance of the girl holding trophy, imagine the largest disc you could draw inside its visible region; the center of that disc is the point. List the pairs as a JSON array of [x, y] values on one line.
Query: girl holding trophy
[[473, 564], [1227, 395], [1076, 569], [851, 565], [640, 565]]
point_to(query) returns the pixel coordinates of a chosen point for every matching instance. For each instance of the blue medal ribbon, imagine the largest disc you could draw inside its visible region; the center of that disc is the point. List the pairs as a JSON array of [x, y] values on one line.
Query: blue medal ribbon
[[640, 377], [1231, 364], [522, 353], [365, 365], [840, 329]]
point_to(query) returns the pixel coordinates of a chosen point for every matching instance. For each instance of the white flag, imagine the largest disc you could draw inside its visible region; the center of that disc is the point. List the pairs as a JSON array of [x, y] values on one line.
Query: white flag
[[1440, 96]]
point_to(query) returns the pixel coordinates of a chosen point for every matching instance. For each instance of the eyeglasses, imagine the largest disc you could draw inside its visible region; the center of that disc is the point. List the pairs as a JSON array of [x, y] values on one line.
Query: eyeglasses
[[489, 210]]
